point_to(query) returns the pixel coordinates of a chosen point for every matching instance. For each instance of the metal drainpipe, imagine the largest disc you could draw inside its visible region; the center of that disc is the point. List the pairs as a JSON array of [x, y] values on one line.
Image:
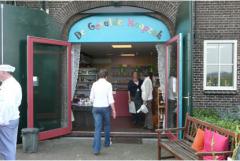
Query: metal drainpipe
[[190, 56]]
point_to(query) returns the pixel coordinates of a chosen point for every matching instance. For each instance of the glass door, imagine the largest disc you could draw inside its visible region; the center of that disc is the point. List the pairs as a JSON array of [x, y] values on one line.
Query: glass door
[[173, 83], [49, 86]]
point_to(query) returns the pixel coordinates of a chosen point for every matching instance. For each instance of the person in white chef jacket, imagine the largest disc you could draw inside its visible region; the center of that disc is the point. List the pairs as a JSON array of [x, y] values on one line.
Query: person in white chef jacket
[[10, 100]]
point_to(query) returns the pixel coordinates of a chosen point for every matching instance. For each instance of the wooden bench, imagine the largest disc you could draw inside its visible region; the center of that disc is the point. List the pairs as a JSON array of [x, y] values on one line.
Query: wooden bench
[[181, 148]]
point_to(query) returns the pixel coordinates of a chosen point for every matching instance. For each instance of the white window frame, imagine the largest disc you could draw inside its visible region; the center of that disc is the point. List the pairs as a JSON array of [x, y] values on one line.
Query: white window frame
[[234, 87]]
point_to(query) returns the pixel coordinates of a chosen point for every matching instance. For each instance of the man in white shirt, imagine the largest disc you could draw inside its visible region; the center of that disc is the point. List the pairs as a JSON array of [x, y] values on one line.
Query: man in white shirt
[[147, 96], [102, 97], [10, 100], [172, 95]]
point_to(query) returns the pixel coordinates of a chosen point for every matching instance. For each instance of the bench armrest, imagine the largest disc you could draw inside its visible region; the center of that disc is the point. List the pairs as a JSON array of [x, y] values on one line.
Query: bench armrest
[[170, 129], [201, 154], [159, 131]]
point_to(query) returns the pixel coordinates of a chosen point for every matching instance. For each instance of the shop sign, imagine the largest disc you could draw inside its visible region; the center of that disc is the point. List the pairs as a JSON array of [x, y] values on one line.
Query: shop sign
[[117, 28]]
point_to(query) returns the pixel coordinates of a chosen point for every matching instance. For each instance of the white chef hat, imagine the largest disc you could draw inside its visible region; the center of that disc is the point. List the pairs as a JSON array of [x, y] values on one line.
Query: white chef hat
[[7, 68]]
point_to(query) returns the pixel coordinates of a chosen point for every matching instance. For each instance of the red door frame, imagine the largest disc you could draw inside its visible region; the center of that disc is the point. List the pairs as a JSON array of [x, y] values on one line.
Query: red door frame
[[30, 54], [169, 42]]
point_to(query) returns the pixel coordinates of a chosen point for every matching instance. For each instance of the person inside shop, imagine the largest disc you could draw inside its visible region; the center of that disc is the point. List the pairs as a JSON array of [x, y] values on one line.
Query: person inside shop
[[10, 100], [103, 103], [172, 95], [134, 94], [147, 97]]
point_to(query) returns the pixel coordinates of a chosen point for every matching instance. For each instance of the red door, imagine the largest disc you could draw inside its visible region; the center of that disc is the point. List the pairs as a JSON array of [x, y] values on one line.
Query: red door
[[49, 86], [173, 83]]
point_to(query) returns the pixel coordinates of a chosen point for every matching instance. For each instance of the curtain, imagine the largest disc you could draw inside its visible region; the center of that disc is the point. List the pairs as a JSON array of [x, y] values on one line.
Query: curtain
[[76, 49], [161, 67]]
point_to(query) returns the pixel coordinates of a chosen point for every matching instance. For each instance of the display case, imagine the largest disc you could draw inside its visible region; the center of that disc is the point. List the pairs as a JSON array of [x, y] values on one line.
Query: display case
[[120, 77], [122, 74], [86, 77], [82, 106]]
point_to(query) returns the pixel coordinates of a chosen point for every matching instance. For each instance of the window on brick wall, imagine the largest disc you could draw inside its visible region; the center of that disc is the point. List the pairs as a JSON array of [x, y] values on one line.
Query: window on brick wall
[[220, 65]]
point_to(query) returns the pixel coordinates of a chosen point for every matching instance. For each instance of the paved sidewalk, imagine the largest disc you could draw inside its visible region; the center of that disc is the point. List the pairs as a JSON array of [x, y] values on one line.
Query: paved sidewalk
[[68, 148]]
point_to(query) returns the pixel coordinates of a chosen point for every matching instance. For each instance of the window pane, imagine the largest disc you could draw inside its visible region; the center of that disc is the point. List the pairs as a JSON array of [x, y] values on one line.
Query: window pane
[[226, 75], [50, 97], [212, 53], [226, 53], [212, 75]]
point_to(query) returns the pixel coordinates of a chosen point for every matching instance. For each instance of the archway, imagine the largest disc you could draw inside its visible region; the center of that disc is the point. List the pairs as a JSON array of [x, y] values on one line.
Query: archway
[[111, 28], [68, 10]]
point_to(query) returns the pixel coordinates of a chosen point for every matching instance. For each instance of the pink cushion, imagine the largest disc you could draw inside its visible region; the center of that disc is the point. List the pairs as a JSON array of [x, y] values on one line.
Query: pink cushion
[[220, 143], [207, 140]]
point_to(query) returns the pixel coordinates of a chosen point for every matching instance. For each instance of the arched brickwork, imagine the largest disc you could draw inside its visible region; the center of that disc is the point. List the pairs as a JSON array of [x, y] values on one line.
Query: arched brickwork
[[68, 12], [167, 8], [77, 17]]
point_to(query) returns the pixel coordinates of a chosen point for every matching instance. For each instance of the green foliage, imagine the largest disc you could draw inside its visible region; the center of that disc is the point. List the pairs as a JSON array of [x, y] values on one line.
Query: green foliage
[[211, 116], [237, 144]]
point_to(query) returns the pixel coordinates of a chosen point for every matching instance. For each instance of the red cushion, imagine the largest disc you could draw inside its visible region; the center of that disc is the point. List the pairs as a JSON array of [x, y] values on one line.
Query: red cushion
[[214, 142], [198, 142]]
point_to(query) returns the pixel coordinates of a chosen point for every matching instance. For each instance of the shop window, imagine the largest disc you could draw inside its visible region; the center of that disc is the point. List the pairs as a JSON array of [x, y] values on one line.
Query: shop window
[[220, 64]]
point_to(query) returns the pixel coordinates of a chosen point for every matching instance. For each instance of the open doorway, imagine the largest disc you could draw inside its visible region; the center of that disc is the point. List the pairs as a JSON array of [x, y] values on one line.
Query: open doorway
[[139, 37], [121, 61]]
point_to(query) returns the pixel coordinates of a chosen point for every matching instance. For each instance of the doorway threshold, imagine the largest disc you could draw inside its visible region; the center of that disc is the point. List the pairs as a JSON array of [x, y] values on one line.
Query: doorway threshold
[[115, 134]]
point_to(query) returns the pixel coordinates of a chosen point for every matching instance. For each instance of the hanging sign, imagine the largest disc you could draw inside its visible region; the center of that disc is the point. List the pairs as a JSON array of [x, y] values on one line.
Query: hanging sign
[[116, 28]]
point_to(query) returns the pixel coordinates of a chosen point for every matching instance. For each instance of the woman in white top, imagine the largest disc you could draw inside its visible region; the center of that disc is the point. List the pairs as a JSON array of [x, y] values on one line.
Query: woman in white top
[[102, 97], [147, 89]]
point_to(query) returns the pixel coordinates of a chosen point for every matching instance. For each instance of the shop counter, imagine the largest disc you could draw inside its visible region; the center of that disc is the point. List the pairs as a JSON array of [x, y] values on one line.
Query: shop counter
[[83, 118], [121, 102], [83, 114]]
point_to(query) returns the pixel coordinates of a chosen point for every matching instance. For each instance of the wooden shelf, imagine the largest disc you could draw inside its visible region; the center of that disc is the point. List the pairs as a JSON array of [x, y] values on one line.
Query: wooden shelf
[[160, 108], [85, 82], [119, 83], [84, 90], [87, 74]]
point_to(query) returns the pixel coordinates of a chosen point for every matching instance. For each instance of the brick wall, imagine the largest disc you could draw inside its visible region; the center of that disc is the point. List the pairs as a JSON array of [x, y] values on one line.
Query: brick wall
[[215, 20], [62, 11], [30, 4]]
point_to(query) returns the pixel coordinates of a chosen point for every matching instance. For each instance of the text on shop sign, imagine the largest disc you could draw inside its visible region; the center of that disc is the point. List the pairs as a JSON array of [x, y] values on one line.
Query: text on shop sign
[[118, 23]]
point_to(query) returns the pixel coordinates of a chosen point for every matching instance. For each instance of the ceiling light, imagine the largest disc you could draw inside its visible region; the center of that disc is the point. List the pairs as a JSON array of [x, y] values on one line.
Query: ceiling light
[[122, 46], [127, 54]]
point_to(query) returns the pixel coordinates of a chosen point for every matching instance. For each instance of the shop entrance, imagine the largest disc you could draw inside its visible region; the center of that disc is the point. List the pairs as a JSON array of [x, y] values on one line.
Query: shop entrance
[[149, 41], [121, 60], [142, 44]]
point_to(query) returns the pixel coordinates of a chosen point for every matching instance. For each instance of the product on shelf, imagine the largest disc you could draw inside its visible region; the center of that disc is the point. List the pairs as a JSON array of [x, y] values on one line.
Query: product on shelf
[[121, 74], [87, 76], [84, 102]]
